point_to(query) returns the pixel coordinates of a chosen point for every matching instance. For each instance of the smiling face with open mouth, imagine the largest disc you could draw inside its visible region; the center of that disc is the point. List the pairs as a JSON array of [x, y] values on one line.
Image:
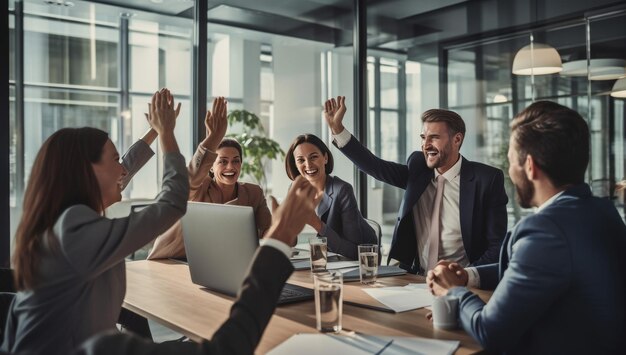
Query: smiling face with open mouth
[[310, 161], [227, 166], [441, 149]]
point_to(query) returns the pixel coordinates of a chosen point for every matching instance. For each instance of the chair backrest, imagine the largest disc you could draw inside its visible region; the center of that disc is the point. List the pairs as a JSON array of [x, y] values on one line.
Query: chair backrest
[[124, 207], [377, 229], [7, 294], [7, 280]]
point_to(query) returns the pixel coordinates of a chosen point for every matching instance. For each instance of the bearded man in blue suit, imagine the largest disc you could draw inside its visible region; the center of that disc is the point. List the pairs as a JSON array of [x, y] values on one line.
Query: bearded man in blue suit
[[560, 284]]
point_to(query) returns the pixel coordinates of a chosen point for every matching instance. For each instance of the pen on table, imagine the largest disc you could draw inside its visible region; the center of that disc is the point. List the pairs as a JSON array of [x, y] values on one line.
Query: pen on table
[[384, 347]]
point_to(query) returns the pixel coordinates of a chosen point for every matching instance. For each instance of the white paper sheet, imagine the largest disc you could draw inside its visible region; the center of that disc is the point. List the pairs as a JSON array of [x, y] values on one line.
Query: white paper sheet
[[315, 344], [402, 299]]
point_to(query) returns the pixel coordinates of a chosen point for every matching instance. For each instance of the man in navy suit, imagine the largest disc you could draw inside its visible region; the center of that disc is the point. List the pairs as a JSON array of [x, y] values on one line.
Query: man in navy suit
[[560, 285], [466, 224]]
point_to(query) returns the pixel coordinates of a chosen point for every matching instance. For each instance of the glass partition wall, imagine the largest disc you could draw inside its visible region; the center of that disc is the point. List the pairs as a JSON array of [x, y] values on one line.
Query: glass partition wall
[[482, 88], [89, 63], [93, 64]]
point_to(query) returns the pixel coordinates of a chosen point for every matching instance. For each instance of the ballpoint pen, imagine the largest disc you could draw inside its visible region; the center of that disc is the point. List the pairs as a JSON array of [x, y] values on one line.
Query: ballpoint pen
[[384, 347]]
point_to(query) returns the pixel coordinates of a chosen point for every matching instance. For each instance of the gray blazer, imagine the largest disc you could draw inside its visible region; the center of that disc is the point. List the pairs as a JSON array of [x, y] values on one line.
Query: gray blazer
[[82, 284], [344, 226]]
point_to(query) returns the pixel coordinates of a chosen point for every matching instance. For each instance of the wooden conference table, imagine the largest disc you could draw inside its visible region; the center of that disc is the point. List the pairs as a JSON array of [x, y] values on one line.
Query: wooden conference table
[[163, 291]]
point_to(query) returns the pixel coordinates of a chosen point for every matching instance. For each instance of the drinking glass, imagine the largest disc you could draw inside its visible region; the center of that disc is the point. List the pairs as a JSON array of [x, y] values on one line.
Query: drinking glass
[[368, 263], [319, 253], [328, 301]]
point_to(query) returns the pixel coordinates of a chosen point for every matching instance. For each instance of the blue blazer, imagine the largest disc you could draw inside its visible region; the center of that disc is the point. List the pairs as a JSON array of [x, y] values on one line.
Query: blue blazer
[[482, 203], [344, 226], [561, 282]]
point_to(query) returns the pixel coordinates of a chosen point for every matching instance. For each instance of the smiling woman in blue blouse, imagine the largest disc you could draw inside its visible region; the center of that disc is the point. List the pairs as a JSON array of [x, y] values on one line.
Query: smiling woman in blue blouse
[[337, 216]]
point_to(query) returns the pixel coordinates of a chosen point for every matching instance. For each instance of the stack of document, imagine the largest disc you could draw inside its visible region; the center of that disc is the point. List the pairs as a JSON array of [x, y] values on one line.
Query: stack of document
[[316, 344], [402, 298]]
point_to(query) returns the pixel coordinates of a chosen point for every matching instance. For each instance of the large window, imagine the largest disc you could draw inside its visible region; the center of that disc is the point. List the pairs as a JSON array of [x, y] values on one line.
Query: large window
[[484, 69], [73, 65]]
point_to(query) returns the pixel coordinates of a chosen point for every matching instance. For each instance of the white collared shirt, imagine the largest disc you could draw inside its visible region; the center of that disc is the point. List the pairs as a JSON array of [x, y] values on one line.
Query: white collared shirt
[[451, 243]]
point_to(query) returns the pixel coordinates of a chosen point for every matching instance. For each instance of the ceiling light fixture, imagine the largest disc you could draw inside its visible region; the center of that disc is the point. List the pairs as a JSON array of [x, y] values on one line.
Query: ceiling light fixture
[[599, 69], [619, 88], [537, 59]]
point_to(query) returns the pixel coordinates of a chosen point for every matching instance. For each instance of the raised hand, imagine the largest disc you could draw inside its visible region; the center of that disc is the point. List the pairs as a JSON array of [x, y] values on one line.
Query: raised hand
[[291, 215], [162, 117], [215, 123], [334, 110]]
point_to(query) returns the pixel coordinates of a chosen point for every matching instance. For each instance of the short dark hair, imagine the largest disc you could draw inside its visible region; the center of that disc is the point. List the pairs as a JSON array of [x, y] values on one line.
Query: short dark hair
[[231, 143], [228, 143], [556, 137], [452, 119], [290, 162]]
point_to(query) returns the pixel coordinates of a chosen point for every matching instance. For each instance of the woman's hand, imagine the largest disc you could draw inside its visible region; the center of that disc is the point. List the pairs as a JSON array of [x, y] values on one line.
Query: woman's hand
[[215, 123], [162, 117]]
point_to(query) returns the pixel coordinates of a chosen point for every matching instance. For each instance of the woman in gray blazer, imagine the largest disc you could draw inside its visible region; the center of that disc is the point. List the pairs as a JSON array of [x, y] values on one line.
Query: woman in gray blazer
[[337, 217], [69, 258]]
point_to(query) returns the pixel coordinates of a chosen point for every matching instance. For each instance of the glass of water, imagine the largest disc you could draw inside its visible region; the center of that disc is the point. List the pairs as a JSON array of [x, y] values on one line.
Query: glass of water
[[368, 263], [328, 301], [319, 253]]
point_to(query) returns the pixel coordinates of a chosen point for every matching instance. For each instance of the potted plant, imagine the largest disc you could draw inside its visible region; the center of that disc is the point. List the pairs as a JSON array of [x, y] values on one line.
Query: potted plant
[[258, 149]]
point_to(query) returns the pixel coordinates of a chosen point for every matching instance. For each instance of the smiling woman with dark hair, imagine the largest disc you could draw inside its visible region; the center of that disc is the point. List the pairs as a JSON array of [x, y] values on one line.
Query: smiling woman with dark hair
[[337, 217], [213, 177]]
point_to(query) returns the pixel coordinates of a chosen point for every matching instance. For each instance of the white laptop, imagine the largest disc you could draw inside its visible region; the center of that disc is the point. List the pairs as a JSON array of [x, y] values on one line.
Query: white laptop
[[220, 242]]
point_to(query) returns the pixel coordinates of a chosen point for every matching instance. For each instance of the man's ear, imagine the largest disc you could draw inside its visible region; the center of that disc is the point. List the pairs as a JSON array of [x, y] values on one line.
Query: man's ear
[[458, 139], [530, 168]]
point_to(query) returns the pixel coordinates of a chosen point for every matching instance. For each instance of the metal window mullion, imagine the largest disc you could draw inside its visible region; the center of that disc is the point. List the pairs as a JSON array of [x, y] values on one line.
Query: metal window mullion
[[199, 70], [19, 103], [377, 109], [402, 133], [5, 144], [124, 80], [360, 94]]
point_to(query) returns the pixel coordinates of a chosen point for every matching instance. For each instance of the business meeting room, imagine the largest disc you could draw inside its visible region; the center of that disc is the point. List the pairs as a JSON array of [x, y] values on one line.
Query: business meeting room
[[313, 177]]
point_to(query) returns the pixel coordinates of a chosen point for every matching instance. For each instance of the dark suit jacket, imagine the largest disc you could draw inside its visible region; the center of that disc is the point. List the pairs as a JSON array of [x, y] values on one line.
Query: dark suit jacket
[[482, 203], [562, 282], [240, 334], [344, 226]]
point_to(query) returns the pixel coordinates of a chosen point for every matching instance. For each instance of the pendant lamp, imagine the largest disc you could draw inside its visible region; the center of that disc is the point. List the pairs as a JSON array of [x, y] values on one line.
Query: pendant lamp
[[619, 88], [537, 59]]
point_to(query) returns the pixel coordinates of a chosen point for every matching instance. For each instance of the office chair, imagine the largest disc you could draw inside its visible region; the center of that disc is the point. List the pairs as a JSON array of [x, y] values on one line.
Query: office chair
[[124, 208], [379, 236], [7, 294]]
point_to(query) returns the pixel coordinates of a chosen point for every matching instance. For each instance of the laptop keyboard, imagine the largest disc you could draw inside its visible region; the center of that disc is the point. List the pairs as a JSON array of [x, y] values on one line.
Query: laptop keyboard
[[292, 293]]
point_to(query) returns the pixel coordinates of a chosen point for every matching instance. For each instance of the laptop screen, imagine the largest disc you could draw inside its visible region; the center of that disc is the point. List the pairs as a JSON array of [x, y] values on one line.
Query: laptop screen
[[220, 241]]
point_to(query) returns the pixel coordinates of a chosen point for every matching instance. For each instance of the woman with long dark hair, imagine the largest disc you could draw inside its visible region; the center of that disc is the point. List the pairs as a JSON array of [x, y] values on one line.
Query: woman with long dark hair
[[69, 258]]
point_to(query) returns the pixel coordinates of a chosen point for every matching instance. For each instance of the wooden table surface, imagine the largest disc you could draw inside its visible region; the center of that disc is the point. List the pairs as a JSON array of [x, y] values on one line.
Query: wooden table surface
[[163, 291]]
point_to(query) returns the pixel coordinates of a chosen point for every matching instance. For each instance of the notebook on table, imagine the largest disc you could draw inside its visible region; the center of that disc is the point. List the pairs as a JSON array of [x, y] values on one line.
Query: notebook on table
[[220, 242]]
